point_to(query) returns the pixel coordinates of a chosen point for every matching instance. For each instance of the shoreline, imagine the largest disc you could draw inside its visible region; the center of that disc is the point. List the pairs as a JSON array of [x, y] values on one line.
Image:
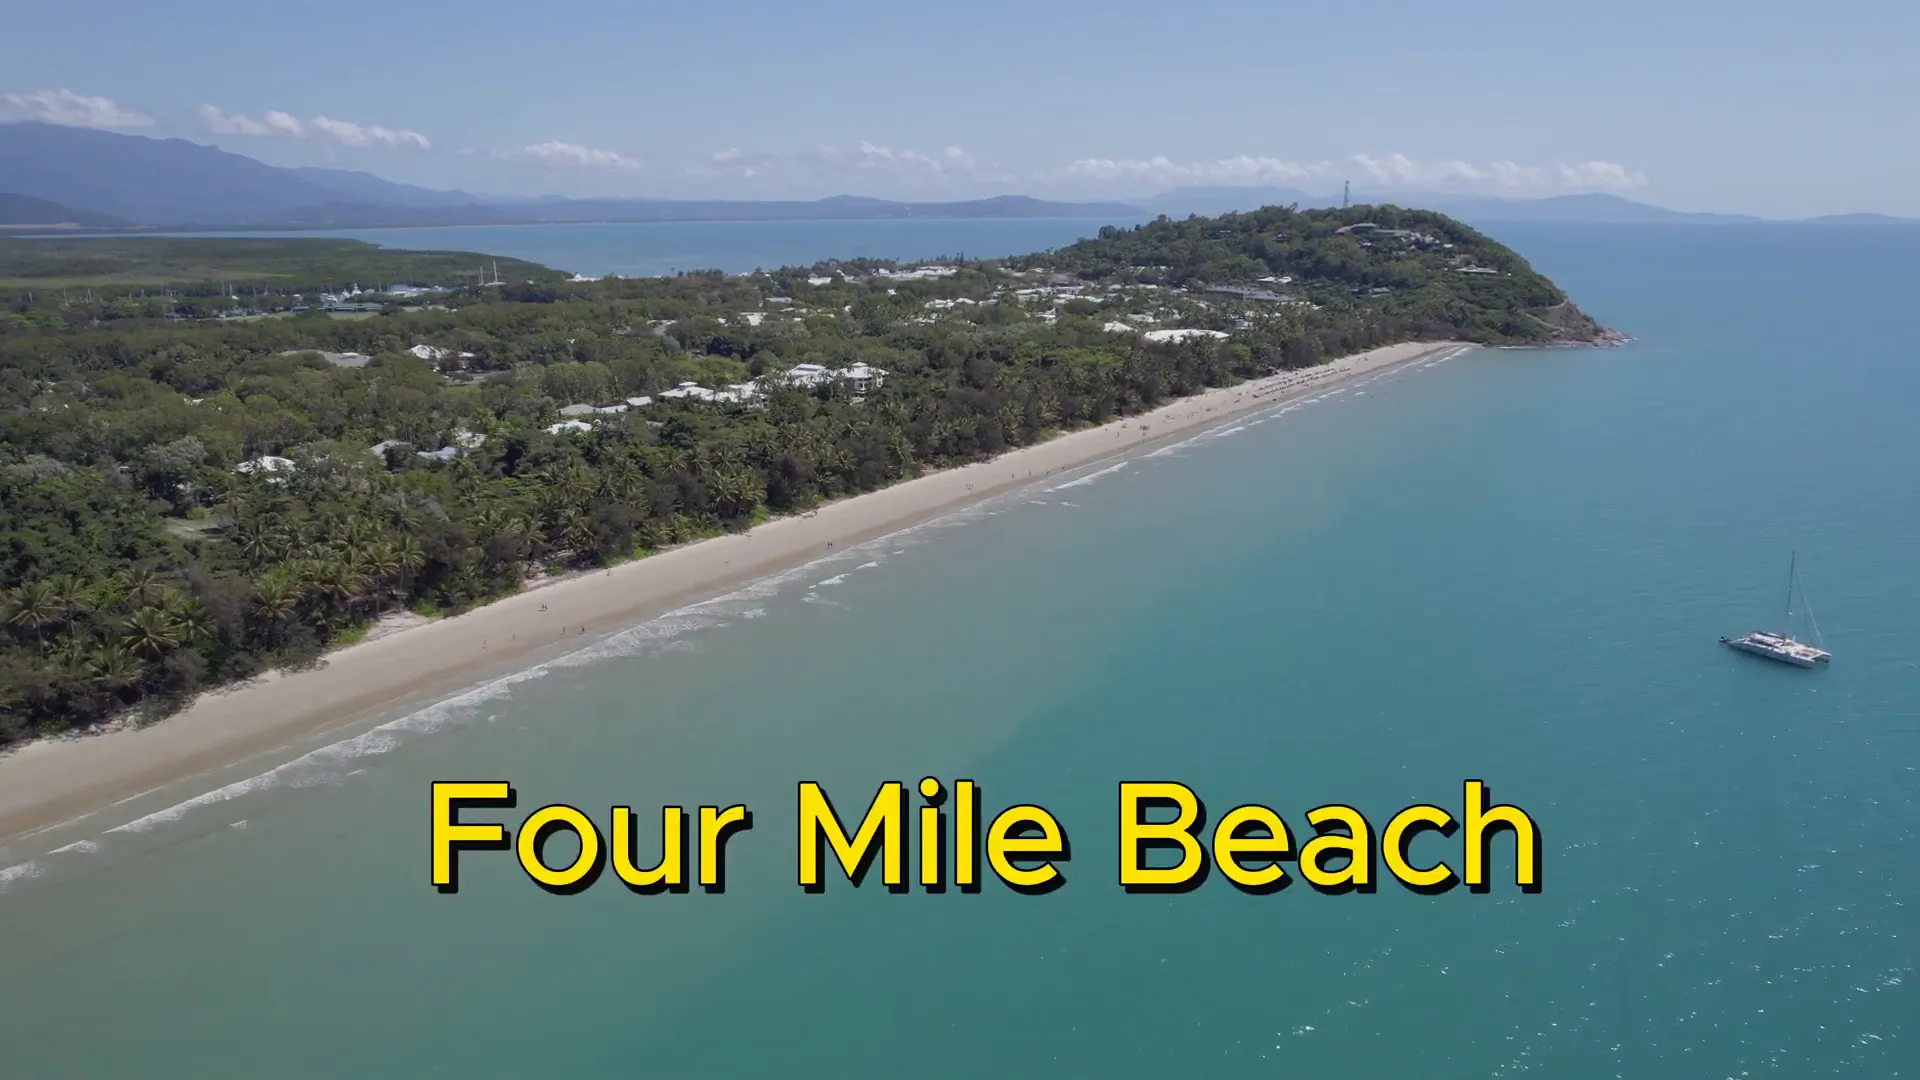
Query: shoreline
[[58, 780]]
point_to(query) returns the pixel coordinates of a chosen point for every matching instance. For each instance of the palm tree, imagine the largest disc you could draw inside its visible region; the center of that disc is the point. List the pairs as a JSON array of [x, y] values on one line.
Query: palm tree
[[276, 595], [407, 552], [114, 667], [151, 632], [73, 597], [572, 530], [195, 622], [34, 604], [339, 581], [622, 479], [257, 542], [404, 512], [140, 585]]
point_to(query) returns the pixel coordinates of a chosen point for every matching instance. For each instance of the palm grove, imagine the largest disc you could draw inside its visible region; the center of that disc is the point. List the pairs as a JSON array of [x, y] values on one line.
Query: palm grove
[[141, 562]]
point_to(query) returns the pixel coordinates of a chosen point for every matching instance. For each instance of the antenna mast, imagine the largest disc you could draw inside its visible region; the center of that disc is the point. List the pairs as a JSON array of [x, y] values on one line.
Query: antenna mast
[[1346, 194]]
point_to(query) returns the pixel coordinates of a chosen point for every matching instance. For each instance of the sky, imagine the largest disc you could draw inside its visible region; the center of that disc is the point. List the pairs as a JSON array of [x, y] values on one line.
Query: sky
[[1779, 110]]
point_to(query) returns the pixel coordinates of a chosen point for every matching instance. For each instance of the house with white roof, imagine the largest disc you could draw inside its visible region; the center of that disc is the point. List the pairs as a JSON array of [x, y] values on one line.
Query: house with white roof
[[1182, 335], [863, 377], [692, 391], [266, 463], [567, 426]]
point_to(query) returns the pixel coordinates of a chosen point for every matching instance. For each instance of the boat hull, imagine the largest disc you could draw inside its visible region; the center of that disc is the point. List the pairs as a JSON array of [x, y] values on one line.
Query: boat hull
[[1778, 656]]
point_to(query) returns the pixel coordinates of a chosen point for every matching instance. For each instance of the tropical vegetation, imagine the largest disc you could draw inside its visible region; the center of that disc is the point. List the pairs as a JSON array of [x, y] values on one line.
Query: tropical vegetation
[[189, 501]]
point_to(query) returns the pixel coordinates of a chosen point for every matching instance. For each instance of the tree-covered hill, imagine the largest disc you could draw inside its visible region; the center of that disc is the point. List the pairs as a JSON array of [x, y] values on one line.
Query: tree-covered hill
[[1411, 266]]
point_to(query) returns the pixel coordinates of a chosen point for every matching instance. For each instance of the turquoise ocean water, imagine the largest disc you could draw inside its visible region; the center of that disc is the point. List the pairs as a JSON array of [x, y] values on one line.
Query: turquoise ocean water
[[1510, 566]]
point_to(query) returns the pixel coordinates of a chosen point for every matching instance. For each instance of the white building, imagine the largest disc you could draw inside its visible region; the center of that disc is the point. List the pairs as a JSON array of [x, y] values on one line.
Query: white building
[[266, 463], [862, 377], [690, 390], [1182, 335], [566, 426]]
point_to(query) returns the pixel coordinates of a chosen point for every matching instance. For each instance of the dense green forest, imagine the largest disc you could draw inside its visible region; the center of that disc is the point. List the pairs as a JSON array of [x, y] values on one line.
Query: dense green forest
[[127, 266], [189, 501]]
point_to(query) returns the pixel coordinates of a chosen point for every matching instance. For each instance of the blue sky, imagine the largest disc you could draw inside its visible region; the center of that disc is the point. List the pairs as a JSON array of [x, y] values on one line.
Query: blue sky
[[1773, 109]]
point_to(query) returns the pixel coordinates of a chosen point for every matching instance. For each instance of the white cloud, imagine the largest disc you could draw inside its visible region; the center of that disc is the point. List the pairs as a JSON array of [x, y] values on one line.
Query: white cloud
[[272, 123], [867, 166], [1242, 170], [866, 162], [1499, 177], [576, 156], [283, 125], [352, 134], [1394, 170], [70, 109]]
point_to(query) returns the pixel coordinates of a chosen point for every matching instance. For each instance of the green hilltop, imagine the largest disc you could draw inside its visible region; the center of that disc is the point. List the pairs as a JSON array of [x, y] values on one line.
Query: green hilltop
[[1421, 272]]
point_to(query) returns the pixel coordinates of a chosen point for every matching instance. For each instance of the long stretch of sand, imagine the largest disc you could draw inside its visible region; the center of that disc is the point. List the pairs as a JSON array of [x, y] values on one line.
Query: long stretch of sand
[[56, 779]]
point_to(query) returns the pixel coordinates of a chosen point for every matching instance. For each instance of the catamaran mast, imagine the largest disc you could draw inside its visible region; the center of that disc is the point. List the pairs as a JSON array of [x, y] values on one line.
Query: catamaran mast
[[1792, 564]]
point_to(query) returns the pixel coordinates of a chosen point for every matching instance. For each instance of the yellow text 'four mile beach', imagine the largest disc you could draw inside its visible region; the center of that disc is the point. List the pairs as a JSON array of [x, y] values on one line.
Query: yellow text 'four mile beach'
[[1024, 846]]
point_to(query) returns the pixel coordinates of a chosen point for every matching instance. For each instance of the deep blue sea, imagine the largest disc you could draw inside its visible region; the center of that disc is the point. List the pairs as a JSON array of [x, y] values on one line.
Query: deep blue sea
[[1510, 566]]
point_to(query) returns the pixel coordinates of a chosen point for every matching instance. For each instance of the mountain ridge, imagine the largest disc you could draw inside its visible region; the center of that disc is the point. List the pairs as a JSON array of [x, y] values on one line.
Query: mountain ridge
[[115, 180], [23, 212]]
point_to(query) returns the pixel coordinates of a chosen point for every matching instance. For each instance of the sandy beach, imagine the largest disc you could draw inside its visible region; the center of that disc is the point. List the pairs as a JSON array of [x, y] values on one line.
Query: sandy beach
[[54, 780]]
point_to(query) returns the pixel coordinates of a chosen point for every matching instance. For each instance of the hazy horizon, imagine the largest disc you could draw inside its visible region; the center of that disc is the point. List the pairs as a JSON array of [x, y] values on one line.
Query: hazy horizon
[[1694, 107]]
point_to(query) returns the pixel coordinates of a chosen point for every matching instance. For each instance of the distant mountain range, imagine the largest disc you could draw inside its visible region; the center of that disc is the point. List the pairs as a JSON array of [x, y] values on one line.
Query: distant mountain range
[[53, 176], [176, 184], [37, 214]]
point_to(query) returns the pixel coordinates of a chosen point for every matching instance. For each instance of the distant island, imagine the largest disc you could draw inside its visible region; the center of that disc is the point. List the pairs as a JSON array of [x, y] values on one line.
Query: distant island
[[220, 457], [63, 179]]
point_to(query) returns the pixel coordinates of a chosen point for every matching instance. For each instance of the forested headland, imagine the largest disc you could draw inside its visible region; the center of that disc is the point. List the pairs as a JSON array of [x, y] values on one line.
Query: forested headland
[[188, 499]]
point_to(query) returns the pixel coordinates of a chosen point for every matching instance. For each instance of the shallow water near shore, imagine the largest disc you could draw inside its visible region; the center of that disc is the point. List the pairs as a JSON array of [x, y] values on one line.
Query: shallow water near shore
[[1510, 566]]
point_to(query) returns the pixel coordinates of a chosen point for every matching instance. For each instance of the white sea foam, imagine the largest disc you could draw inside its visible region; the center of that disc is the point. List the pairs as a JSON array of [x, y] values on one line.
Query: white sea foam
[[78, 847], [15, 874], [1090, 477], [834, 580], [868, 565], [324, 766]]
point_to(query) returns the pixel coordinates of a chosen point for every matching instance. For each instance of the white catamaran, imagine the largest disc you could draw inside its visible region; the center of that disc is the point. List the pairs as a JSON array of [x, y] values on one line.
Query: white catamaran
[[1783, 646]]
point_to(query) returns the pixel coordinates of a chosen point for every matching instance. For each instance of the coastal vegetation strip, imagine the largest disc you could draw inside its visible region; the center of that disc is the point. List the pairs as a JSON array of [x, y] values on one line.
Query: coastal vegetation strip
[[188, 499], [250, 274]]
